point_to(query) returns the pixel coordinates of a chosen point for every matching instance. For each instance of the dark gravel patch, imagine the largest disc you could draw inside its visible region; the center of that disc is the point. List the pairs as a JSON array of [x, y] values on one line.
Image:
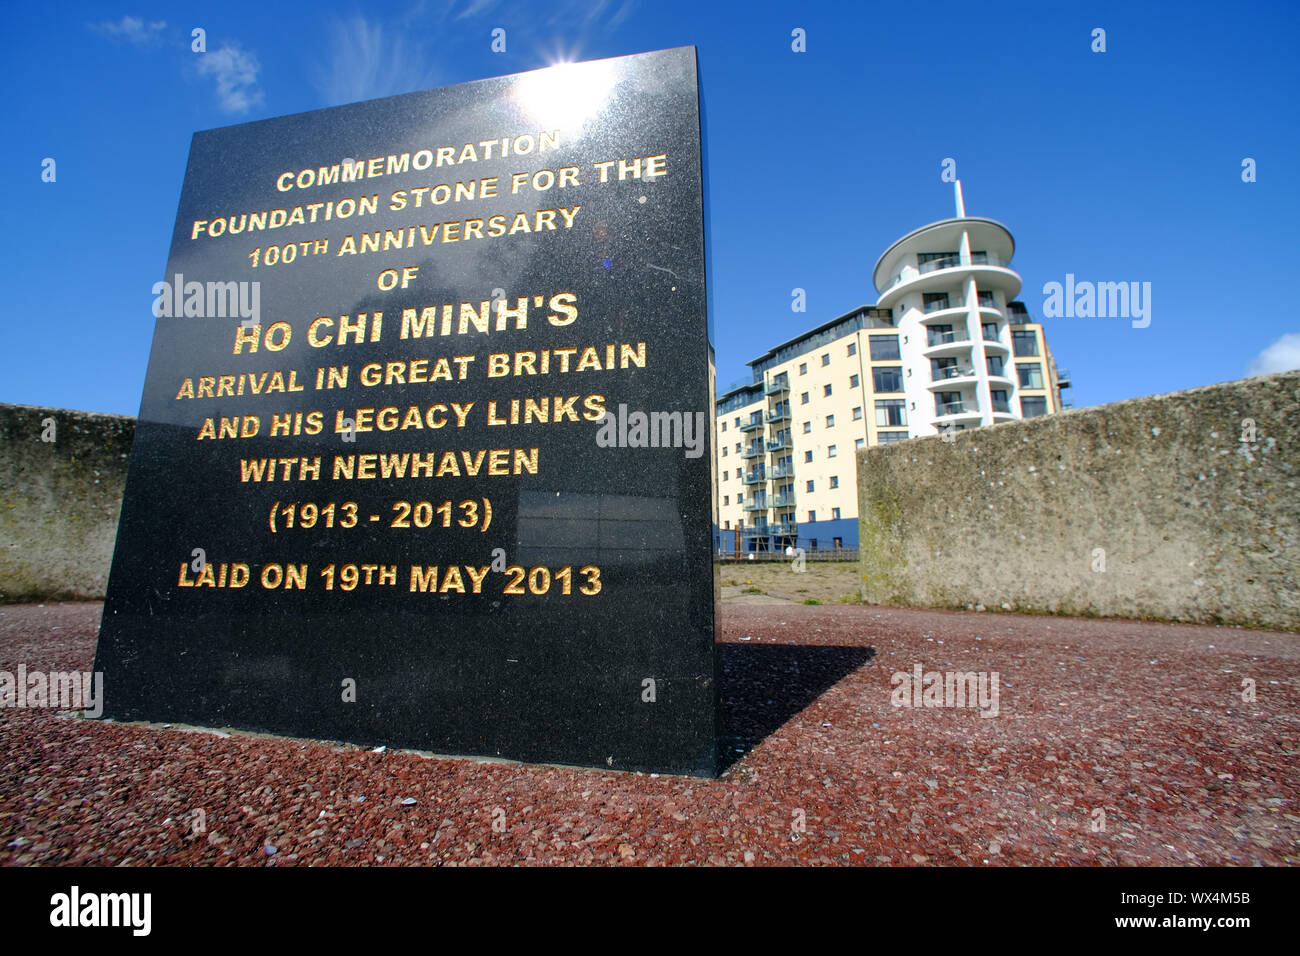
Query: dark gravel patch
[[1144, 722]]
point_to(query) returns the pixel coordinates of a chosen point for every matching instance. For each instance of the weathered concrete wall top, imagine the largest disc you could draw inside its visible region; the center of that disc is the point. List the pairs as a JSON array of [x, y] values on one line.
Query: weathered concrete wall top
[[61, 480], [1182, 507]]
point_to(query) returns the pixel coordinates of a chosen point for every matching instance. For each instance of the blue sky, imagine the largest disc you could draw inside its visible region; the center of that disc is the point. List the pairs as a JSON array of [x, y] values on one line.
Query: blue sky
[[1117, 166]]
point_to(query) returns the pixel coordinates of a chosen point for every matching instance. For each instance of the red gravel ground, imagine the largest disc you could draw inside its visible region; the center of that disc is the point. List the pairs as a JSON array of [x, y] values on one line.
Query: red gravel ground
[[1144, 722]]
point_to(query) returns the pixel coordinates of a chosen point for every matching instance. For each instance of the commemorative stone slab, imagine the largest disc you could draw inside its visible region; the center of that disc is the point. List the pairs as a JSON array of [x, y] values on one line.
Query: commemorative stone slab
[[423, 455]]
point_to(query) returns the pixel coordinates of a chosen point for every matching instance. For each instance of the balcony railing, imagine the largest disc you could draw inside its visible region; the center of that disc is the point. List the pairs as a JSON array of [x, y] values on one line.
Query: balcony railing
[[946, 338], [936, 305], [759, 505], [944, 409], [752, 424], [777, 386], [781, 414], [779, 444], [783, 501], [950, 371], [782, 471], [908, 272], [752, 451], [754, 477], [785, 530], [1003, 407]]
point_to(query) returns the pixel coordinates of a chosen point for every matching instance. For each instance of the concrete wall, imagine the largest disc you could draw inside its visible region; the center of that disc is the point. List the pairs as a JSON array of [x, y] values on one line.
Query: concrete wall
[[59, 501], [1195, 524]]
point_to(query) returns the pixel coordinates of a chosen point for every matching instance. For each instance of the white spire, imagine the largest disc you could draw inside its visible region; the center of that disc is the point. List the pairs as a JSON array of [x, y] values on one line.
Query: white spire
[[961, 203]]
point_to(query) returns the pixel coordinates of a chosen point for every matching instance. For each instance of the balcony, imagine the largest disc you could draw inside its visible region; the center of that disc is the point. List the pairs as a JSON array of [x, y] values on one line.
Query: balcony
[[785, 530], [951, 409], [783, 501], [1001, 407], [759, 505], [752, 451], [782, 471], [994, 273], [781, 443], [949, 372], [777, 386], [752, 424], [781, 414], [946, 343], [754, 477], [1062, 378], [943, 338]]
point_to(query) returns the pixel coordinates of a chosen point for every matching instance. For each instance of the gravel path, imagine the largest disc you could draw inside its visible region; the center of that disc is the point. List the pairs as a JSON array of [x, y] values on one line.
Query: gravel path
[[1142, 722]]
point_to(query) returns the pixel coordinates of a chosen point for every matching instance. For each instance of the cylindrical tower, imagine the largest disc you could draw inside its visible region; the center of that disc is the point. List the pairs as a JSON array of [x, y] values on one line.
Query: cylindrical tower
[[949, 286]]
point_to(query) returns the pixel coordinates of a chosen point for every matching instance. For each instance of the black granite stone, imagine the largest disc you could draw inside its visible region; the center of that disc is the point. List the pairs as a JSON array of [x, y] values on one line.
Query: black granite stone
[[623, 677]]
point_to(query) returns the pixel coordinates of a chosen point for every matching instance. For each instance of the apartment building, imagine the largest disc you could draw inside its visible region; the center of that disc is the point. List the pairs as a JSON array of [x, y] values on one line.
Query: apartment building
[[946, 347]]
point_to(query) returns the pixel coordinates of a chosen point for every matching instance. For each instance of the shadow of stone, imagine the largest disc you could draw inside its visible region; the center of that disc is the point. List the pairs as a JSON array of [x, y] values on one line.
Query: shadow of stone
[[764, 685]]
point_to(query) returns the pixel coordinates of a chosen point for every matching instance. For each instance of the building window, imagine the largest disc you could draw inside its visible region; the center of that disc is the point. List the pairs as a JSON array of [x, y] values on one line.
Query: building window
[[1031, 406], [827, 391], [853, 348], [1000, 403], [830, 421], [737, 448], [830, 453], [726, 499], [835, 514], [835, 481], [997, 366], [810, 488], [726, 475], [1024, 344], [803, 368], [857, 414], [826, 358], [737, 421], [728, 525], [942, 335], [887, 379], [934, 301], [812, 516], [884, 347], [853, 381], [860, 443], [807, 428], [804, 398], [885, 438], [724, 451], [948, 403], [990, 331], [724, 426], [986, 298], [890, 411], [1031, 376], [807, 456]]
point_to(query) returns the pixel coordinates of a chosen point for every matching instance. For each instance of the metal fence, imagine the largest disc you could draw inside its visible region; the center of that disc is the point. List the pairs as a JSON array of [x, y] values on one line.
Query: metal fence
[[826, 554]]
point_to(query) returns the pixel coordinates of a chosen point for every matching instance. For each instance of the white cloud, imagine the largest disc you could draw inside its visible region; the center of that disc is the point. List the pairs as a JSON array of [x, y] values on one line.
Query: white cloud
[[368, 60], [1282, 356], [475, 8], [235, 72], [132, 29]]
